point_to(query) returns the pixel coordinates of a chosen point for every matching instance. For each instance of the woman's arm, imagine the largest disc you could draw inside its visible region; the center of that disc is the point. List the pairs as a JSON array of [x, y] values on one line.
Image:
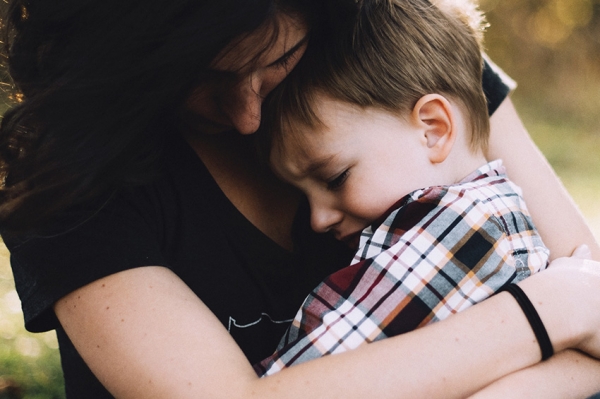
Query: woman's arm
[[556, 216], [145, 334], [569, 374], [563, 228]]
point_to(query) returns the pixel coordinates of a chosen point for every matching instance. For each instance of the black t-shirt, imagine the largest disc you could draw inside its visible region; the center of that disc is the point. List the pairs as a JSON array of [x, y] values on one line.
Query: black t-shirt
[[182, 221]]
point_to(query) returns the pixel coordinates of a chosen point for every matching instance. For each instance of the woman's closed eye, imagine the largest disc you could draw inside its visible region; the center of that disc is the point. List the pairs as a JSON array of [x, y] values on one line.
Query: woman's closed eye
[[291, 57], [338, 180], [285, 61]]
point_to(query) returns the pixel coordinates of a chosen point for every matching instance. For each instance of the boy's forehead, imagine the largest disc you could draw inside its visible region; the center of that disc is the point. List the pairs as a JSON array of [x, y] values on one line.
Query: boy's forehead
[[299, 153], [338, 116], [302, 150]]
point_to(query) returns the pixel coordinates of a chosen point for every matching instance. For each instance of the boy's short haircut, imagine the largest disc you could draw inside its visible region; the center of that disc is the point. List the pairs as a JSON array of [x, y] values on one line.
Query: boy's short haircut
[[386, 54]]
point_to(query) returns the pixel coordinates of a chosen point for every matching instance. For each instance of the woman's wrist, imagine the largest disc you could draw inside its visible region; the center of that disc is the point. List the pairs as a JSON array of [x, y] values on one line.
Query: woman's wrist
[[568, 374], [563, 296], [533, 318], [553, 313]]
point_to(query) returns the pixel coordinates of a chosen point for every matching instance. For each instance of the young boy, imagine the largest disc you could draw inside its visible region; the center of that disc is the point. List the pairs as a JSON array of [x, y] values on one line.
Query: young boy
[[386, 137]]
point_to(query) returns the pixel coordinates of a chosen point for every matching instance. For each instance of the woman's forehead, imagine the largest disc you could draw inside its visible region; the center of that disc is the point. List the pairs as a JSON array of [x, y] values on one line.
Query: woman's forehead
[[264, 46]]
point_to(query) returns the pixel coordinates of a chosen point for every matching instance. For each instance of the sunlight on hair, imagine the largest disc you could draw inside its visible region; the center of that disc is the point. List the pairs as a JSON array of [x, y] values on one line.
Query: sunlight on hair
[[16, 97], [24, 13], [467, 11]]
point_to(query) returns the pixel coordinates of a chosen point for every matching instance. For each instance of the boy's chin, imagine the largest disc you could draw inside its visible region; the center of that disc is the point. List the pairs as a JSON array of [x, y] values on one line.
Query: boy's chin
[[352, 240]]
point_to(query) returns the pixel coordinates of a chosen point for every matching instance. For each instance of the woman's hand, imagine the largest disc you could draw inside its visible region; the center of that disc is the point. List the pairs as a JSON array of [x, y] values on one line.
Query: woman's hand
[[568, 373], [567, 296], [585, 296]]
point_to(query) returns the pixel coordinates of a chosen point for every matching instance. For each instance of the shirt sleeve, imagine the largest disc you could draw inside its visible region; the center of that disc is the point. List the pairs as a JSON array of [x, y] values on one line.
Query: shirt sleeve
[[85, 245], [496, 85]]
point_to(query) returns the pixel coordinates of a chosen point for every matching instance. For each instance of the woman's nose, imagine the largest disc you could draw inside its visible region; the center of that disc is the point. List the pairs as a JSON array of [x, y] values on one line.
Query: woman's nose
[[243, 109], [324, 218]]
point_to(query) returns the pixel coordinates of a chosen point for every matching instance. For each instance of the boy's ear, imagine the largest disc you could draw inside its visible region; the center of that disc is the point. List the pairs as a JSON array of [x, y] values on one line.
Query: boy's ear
[[433, 113]]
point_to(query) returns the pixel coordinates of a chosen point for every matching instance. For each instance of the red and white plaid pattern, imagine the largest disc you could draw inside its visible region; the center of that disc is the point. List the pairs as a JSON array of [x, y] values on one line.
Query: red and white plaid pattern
[[440, 251]]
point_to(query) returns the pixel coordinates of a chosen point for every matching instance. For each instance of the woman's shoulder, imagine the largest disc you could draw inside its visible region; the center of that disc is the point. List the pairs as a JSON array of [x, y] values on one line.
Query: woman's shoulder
[[131, 227]]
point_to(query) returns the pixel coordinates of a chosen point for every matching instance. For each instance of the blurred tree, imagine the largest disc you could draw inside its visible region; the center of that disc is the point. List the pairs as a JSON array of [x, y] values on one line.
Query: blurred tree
[[552, 49]]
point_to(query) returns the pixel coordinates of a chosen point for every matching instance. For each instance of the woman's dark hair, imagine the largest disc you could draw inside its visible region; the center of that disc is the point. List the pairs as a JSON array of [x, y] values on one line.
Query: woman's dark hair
[[100, 84]]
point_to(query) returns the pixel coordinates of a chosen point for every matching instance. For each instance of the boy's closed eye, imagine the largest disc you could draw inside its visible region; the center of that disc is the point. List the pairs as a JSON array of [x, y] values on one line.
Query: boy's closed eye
[[337, 181]]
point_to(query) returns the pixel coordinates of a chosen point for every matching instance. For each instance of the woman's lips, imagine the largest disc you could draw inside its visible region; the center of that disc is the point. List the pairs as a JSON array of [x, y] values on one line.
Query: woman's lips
[[204, 125]]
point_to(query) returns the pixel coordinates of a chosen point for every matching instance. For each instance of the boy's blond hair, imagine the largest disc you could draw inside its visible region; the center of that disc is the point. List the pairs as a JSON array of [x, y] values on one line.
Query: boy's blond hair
[[387, 54]]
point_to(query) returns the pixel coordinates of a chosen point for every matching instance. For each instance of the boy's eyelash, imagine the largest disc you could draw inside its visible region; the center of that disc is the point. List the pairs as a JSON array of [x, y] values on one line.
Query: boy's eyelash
[[339, 180]]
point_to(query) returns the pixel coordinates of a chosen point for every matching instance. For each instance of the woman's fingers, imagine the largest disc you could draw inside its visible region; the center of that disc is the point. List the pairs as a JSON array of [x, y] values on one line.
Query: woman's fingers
[[582, 252], [584, 278], [567, 297]]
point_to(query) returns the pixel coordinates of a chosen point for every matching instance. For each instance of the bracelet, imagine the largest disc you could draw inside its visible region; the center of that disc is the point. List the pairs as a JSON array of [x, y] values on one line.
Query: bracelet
[[533, 317]]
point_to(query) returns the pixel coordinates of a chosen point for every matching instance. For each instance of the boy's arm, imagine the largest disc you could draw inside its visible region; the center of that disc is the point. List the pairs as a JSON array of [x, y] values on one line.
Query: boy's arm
[[568, 374], [556, 216]]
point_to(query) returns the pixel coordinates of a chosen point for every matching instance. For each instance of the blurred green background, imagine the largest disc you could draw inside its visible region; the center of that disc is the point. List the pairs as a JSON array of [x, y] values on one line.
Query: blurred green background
[[550, 47]]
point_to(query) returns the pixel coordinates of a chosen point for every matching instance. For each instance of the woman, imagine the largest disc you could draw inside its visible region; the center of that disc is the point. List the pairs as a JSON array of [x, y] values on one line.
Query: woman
[[142, 228]]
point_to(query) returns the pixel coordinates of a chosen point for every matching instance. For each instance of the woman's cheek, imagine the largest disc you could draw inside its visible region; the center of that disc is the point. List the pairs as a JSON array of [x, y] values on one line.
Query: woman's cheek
[[271, 80]]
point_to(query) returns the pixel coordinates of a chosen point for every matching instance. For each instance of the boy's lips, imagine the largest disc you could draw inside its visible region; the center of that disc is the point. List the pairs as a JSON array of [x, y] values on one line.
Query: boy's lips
[[352, 240]]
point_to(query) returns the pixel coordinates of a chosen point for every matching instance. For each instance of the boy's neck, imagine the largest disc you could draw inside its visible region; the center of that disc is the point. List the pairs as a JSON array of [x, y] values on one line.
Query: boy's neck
[[463, 163], [462, 159], [458, 165]]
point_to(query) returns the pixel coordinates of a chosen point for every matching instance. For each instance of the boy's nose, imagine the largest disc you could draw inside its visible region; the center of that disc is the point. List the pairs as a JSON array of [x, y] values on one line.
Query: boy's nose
[[243, 109], [323, 218]]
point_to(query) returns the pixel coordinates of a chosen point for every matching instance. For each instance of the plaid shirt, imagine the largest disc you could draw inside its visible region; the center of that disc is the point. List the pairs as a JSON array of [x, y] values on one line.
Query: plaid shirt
[[442, 250]]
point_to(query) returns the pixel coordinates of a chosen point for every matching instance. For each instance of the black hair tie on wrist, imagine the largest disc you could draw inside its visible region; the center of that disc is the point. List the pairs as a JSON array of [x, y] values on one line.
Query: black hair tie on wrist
[[533, 317]]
